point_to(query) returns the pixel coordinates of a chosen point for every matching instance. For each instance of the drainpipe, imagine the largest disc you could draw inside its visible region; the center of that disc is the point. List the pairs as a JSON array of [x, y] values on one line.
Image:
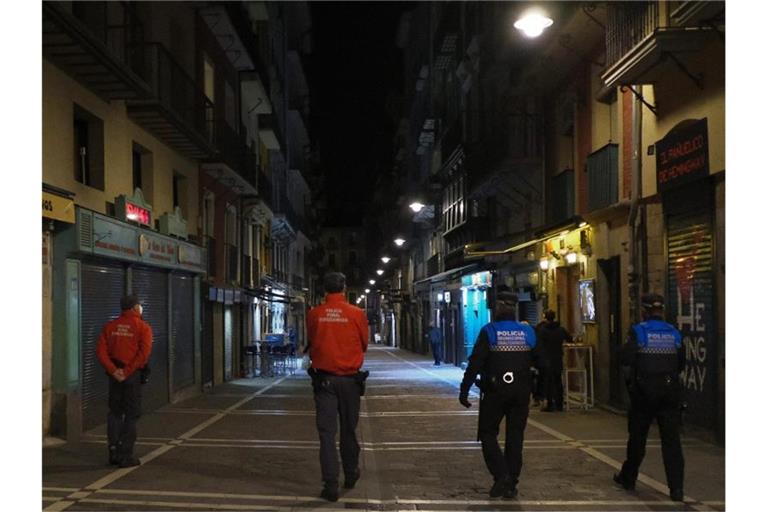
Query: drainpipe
[[634, 268]]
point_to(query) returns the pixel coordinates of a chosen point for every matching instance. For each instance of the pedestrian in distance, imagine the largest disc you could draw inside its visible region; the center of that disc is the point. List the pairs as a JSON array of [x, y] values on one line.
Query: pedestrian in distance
[[652, 359], [551, 336], [123, 350], [435, 338], [338, 338], [502, 356]]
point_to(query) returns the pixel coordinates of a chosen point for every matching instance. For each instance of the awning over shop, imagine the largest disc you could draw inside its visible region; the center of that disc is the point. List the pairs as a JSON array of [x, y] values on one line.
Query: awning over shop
[[444, 276]]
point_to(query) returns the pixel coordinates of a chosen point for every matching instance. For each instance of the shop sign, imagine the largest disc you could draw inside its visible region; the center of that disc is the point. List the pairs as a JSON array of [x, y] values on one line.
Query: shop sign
[[112, 239], [58, 208], [134, 208], [190, 255], [157, 250], [477, 279], [229, 297], [173, 224], [682, 156]]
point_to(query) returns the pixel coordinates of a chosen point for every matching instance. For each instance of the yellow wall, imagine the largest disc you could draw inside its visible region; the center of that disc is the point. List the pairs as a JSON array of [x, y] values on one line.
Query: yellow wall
[[59, 94], [679, 99]]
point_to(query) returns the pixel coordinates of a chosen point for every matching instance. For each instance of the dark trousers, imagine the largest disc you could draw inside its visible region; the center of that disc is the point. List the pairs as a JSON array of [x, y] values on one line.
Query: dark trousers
[[124, 411], [553, 386], [661, 402], [337, 396], [494, 407], [437, 351]]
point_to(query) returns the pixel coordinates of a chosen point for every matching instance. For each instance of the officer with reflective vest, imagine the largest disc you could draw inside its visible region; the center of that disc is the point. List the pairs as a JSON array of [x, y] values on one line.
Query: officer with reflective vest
[[502, 355], [652, 359]]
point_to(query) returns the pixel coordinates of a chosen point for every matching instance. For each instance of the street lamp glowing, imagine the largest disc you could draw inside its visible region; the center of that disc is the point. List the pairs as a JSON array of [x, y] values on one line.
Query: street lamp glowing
[[372, 282], [399, 242], [367, 290], [385, 259], [532, 24], [416, 206], [379, 271]]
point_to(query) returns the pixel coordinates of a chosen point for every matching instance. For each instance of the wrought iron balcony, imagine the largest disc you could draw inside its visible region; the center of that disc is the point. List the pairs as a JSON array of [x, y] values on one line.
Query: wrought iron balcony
[[177, 111], [95, 43]]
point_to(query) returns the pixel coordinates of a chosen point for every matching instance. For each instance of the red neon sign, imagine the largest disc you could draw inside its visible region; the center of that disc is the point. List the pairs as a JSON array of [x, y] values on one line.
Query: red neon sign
[[137, 214]]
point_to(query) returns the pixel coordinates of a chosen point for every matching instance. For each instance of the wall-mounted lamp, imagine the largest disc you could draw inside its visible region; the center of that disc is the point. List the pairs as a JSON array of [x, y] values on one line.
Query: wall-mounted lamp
[[367, 290], [379, 271], [372, 282], [416, 206], [399, 242], [385, 259], [533, 23], [544, 263], [570, 258]]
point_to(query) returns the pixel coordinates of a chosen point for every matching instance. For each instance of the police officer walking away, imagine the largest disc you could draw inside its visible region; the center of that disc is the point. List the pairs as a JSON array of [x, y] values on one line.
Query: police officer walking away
[[503, 355], [653, 358], [338, 337], [123, 350], [435, 338]]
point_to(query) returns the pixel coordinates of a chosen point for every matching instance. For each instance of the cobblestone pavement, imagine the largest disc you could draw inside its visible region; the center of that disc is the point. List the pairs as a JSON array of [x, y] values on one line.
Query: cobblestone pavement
[[251, 445]]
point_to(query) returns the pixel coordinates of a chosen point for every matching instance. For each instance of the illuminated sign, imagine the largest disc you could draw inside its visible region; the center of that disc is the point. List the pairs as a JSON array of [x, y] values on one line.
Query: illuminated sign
[[137, 214], [682, 156], [134, 209]]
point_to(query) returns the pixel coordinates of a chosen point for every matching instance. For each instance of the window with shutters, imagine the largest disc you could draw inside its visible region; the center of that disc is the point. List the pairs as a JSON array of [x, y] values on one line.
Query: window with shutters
[[88, 150]]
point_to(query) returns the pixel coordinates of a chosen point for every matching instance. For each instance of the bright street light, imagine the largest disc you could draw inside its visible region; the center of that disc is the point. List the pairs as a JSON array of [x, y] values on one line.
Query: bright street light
[[379, 271], [367, 290], [385, 259], [416, 206], [372, 282], [399, 242], [532, 24]]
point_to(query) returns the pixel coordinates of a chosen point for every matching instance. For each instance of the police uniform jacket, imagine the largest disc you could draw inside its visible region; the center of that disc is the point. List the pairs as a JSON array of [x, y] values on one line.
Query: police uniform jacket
[[653, 352], [503, 354]]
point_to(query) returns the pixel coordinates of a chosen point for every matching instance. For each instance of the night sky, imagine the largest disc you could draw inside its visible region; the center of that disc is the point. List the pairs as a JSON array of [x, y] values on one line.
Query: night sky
[[354, 73]]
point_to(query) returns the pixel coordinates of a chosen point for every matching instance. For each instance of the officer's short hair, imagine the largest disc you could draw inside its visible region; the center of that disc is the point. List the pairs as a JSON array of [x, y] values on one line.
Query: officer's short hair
[[128, 302], [334, 282], [652, 301], [549, 315]]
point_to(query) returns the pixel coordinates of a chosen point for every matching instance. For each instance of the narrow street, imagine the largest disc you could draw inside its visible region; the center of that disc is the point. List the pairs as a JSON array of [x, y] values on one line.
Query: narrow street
[[251, 444]]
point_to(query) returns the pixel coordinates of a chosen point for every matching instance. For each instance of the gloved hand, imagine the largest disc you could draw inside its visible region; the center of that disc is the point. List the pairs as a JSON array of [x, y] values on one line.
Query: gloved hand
[[464, 400]]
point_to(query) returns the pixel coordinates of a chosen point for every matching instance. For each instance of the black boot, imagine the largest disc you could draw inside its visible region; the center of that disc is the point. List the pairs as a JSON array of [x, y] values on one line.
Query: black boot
[[330, 491], [351, 479], [500, 487], [114, 456], [676, 494], [622, 481], [129, 462]]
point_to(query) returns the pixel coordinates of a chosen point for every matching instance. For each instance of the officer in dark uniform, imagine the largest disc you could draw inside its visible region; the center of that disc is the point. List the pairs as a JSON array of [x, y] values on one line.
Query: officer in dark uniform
[[652, 359], [503, 355]]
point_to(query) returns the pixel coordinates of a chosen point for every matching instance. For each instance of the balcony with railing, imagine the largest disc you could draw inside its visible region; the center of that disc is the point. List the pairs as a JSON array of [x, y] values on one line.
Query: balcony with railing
[[642, 40], [234, 161], [95, 43], [177, 111], [603, 177]]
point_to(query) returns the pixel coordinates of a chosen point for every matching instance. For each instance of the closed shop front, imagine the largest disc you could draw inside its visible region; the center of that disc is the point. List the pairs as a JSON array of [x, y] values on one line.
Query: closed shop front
[[151, 286], [691, 295], [102, 259], [182, 330], [102, 285]]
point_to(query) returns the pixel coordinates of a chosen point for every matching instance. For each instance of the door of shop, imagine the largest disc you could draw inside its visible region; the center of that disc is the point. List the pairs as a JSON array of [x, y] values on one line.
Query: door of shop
[[151, 286], [183, 330], [228, 343], [102, 286], [610, 269], [691, 295]]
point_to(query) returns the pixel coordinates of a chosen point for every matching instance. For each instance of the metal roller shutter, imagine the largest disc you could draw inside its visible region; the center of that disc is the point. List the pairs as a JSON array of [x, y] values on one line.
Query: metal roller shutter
[[690, 297], [151, 286], [182, 330], [102, 286]]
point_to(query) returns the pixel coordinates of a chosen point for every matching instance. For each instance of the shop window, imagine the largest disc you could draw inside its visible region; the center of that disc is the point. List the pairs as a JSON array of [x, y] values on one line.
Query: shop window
[[88, 151]]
